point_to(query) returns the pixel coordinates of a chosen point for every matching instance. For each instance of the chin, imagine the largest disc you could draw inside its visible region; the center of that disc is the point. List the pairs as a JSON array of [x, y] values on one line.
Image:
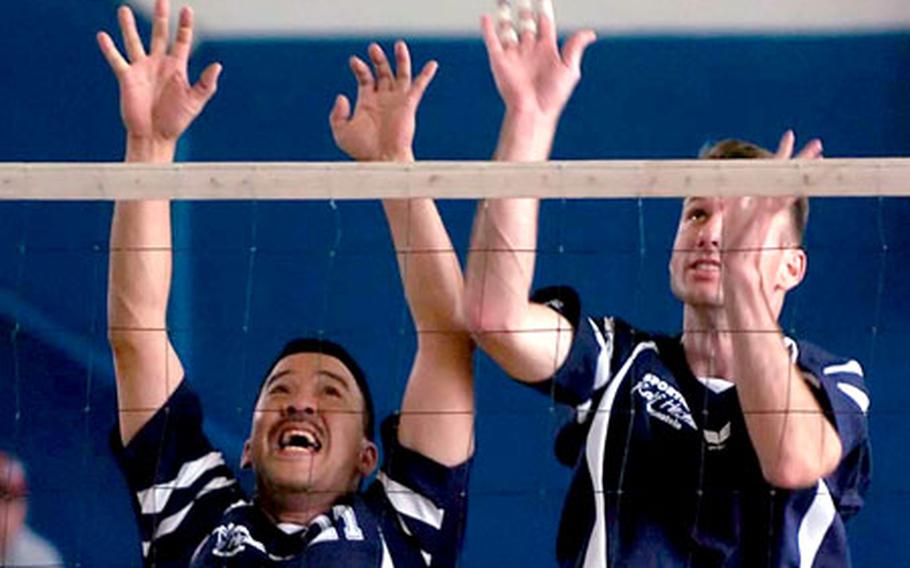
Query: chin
[[296, 479], [699, 296]]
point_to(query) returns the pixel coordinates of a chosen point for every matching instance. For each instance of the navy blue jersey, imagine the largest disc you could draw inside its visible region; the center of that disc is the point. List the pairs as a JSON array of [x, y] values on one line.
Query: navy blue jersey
[[192, 512], [665, 471]]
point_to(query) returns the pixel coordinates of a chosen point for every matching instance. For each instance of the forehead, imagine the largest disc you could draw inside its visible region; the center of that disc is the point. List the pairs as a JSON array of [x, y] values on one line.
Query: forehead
[[782, 221], [300, 366], [701, 200]]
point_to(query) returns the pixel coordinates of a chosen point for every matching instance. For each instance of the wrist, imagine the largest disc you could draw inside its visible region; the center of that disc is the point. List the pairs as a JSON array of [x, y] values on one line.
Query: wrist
[[150, 149], [526, 135]]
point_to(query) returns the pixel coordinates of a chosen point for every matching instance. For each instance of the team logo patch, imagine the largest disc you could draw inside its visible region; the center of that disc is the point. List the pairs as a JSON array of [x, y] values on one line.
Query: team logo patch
[[664, 402], [717, 440], [231, 540]]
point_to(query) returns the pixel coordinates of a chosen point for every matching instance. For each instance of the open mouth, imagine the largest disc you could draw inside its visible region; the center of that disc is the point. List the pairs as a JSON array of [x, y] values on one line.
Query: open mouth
[[299, 440], [705, 265]]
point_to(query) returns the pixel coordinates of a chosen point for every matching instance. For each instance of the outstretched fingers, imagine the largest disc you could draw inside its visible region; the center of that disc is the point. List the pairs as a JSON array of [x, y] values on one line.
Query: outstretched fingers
[[160, 27], [403, 64], [527, 24], [811, 151], [118, 64], [183, 43], [490, 37], [131, 40], [505, 25], [422, 81], [361, 72], [785, 146], [384, 78], [546, 25], [365, 83], [545, 10]]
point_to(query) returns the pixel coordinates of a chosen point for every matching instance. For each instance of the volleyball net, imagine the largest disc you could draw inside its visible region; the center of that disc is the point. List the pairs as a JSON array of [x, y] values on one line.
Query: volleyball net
[[267, 251]]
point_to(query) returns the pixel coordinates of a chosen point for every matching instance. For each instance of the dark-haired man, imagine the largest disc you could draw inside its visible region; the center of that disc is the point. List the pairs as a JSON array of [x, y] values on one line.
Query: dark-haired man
[[311, 441], [726, 445]]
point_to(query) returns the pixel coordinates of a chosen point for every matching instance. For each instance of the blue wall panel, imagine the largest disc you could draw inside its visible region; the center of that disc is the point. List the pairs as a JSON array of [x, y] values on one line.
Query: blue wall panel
[[251, 274]]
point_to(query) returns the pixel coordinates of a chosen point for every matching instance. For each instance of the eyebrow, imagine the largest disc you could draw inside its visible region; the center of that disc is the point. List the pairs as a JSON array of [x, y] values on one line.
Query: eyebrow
[[276, 376], [324, 372], [335, 376]]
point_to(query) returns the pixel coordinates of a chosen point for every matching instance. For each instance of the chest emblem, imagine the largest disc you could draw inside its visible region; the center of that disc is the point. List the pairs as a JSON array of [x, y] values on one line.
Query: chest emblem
[[717, 440], [231, 540], [664, 402]]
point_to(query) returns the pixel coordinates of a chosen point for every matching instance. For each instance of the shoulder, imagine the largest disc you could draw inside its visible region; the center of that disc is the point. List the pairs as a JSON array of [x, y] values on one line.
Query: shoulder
[[839, 382], [822, 367], [811, 357]]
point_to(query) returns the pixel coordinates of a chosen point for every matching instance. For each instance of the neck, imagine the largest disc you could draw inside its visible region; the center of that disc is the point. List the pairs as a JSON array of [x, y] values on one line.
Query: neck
[[708, 348], [299, 508]]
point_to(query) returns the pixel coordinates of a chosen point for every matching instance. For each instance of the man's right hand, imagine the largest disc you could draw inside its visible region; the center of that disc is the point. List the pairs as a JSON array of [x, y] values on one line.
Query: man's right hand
[[157, 102], [384, 120], [533, 77]]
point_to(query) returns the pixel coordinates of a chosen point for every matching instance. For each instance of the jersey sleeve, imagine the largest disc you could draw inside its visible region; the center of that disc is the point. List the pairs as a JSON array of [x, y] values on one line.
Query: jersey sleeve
[[428, 500], [840, 388], [599, 347], [180, 485], [588, 365]]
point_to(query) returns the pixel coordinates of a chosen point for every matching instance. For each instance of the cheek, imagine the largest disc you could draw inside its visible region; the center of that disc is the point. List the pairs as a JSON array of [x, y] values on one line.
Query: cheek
[[260, 427], [676, 262], [678, 240], [771, 264], [348, 427]]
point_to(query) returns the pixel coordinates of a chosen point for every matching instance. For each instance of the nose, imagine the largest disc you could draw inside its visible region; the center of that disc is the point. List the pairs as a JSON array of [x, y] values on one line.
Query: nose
[[304, 403], [709, 232]]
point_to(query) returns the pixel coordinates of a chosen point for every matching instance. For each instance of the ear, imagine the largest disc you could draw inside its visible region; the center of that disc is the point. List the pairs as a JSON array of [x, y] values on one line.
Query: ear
[[792, 268], [246, 458], [368, 459]]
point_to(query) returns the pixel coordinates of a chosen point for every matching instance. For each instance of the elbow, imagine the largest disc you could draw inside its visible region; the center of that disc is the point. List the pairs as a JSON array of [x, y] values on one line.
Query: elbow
[[123, 343], [487, 322], [800, 464], [794, 473]]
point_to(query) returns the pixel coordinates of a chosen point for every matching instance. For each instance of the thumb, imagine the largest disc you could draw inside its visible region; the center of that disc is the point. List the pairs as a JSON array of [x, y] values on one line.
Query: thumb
[[574, 48], [341, 111], [207, 84]]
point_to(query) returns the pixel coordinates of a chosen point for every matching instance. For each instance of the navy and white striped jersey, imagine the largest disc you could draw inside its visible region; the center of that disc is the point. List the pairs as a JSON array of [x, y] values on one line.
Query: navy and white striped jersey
[[192, 512], [665, 471]]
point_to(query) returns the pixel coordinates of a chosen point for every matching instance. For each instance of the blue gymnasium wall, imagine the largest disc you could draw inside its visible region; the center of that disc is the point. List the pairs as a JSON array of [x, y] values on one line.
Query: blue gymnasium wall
[[251, 274]]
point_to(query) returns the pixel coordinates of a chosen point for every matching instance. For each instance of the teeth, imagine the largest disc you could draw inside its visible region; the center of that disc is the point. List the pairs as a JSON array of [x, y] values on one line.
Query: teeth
[[299, 439]]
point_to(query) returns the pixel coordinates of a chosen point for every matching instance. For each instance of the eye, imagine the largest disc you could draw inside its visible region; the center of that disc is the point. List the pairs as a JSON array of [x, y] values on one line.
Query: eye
[[332, 391], [696, 215], [280, 388]]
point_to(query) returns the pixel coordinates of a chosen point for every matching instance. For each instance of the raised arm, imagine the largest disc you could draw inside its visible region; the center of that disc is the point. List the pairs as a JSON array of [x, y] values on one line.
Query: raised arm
[[535, 80], [157, 104], [795, 442], [437, 412]]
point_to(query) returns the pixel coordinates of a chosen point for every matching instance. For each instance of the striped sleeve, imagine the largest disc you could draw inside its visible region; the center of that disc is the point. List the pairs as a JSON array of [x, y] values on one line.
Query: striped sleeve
[[180, 484], [840, 387], [428, 502]]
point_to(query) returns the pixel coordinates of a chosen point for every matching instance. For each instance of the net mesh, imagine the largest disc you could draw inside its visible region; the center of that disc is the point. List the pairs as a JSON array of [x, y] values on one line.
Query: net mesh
[[248, 275]]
